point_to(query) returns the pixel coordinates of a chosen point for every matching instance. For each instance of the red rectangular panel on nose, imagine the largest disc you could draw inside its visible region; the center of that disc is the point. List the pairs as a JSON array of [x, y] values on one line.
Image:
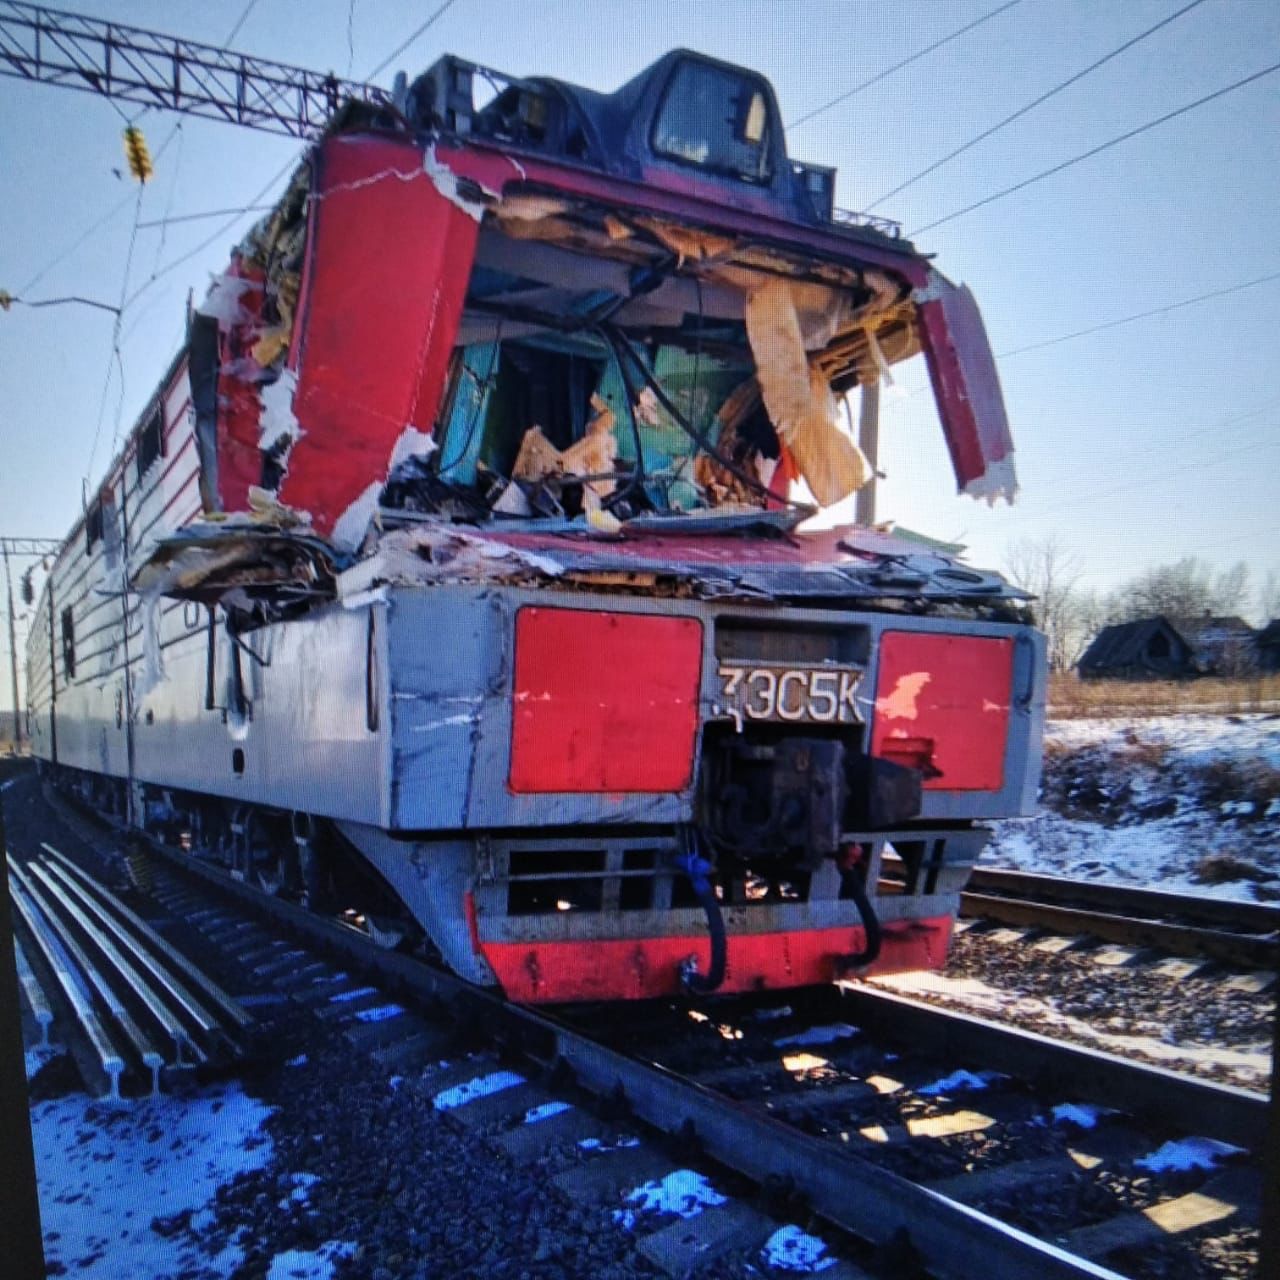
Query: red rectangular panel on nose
[[942, 706], [604, 701]]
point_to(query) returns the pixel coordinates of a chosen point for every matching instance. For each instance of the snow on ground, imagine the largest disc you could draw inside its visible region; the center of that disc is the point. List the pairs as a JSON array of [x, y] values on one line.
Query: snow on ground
[[790, 1249], [683, 1192], [479, 1087], [1189, 804], [545, 1112], [1179, 1155], [818, 1035], [105, 1172], [304, 1264], [957, 1082], [1083, 1115]]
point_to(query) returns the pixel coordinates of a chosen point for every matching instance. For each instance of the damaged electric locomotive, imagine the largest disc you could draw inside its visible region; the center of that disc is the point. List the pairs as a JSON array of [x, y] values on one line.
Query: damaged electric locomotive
[[455, 572]]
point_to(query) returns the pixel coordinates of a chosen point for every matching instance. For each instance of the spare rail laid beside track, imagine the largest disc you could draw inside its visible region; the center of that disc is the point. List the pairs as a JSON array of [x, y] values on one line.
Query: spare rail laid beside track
[[1238, 934], [134, 998]]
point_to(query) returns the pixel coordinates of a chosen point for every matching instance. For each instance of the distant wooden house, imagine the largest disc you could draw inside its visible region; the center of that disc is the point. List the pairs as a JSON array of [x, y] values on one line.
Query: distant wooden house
[[1222, 646], [1149, 649], [1266, 645]]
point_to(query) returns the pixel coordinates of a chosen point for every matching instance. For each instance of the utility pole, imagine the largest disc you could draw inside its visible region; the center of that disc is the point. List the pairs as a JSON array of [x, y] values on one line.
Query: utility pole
[[31, 548], [869, 442]]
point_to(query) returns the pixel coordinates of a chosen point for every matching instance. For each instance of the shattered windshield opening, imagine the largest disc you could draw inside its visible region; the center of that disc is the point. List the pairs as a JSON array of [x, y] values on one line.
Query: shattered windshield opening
[[562, 424], [604, 371]]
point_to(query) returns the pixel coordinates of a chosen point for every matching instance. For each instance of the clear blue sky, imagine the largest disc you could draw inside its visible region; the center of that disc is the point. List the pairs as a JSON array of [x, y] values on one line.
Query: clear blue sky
[[1136, 445]]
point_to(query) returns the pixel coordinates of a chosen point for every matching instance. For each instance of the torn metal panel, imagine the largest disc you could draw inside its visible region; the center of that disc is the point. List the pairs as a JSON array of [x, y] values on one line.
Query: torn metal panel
[[707, 557], [966, 387], [238, 433], [434, 553], [206, 561], [799, 399], [390, 258], [592, 459]]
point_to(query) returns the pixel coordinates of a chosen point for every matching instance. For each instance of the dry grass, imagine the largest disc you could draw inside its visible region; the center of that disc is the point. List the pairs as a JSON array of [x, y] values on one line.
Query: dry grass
[[1072, 698]]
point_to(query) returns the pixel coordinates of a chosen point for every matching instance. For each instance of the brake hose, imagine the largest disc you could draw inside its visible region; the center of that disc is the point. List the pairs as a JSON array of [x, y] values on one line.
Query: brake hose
[[853, 884], [698, 869]]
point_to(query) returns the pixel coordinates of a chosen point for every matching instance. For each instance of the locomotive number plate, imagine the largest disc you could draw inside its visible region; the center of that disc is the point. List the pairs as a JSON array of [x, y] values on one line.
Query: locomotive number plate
[[798, 695]]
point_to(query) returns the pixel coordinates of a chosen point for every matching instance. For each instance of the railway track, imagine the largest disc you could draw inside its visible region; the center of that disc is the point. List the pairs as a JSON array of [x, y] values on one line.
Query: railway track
[[1235, 934], [893, 1121]]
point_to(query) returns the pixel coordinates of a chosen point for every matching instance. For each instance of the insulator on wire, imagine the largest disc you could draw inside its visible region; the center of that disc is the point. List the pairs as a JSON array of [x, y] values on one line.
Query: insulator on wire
[[136, 153]]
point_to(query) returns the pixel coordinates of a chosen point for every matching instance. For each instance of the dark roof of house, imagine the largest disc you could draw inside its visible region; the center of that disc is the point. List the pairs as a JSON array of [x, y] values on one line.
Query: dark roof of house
[[1270, 634], [1124, 644]]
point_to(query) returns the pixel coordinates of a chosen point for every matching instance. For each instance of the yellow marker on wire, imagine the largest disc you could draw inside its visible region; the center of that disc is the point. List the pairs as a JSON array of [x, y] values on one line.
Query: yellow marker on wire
[[136, 153]]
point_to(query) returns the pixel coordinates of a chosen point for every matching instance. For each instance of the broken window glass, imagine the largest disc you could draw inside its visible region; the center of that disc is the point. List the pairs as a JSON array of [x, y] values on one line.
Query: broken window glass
[[714, 118]]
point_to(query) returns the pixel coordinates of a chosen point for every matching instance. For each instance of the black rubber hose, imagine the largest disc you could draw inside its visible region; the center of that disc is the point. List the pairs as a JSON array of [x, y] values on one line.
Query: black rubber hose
[[628, 390], [857, 890], [698, 870]]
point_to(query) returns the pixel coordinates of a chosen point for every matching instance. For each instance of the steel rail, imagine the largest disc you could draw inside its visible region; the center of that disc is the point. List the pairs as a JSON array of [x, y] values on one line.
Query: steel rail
[[208, 1022], [34, 992], [110, 993], [857, 1196], [235, 1012], [1253, 917], [1235, 949], [1153, 1093], [110, 1060], [164, 995]]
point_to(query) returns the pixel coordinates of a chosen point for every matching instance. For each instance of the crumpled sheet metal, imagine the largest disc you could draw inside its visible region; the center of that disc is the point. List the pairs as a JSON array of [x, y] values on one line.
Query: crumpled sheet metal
[[432, 553], [204, 559], [596, 454], [844, 563], [966, 387], [798, 398]]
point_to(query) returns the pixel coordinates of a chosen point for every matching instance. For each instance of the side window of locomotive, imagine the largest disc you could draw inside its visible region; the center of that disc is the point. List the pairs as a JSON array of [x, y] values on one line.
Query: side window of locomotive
[[501, 392], [716, 120], [68, 644], [93, 527], [150, 442]]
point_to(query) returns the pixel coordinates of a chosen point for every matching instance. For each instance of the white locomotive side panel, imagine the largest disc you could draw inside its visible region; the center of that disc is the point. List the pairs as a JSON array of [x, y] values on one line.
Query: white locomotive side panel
[[77, 649]]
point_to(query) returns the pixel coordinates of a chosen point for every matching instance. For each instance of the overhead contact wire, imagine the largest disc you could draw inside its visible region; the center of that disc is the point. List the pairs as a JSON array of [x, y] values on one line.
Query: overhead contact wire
[[1101, 147], [905, 62], [115, 356], [404, 44], [1140, 315], [1032, 105]]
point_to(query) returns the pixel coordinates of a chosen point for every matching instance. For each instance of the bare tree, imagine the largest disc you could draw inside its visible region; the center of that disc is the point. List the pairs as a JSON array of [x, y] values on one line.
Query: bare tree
[[1186, 589], [1045, 568], [1230, 596], [1269, 597]]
